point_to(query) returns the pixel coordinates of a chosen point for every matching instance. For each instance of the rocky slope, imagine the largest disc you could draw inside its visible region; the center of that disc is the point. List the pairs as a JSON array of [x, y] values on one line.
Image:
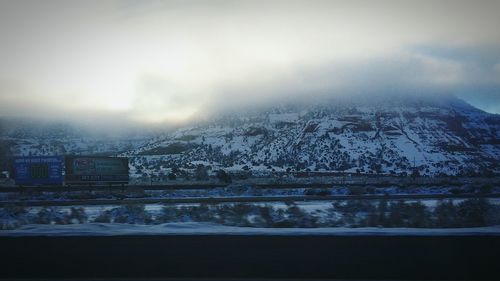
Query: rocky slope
[[434, 136], [383, 135]]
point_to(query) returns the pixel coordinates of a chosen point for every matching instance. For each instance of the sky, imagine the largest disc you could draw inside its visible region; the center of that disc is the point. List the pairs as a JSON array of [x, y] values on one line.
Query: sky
[[154, 62]]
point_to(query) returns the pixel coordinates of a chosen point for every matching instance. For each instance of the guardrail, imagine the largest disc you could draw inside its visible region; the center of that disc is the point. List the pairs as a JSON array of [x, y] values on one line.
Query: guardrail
[[238, 199]]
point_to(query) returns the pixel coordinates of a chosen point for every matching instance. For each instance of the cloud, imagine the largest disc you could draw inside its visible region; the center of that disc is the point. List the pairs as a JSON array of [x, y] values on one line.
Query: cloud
[[155, 61], [407, 72]]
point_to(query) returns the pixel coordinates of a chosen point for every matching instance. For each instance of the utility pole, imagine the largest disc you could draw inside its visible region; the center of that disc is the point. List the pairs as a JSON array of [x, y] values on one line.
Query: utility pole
[[414, 170]]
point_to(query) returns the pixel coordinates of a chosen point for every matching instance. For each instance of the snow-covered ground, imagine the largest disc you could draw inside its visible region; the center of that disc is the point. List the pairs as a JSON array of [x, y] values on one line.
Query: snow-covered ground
[[359, 217], [435, 138], [198, 228], [308, 206]]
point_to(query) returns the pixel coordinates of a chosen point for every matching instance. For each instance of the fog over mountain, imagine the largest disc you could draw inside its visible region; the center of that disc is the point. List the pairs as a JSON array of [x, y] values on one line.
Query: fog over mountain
[[124, 65]]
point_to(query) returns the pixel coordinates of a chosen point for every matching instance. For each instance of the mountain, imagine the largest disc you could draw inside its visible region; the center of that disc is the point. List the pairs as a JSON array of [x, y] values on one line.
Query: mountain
[[22, 137], [433, 136], [439, 135]]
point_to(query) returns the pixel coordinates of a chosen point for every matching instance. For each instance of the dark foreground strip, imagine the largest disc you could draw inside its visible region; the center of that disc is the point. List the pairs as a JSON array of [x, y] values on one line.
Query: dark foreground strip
[[240, 256], [107, 187], [249, 199]]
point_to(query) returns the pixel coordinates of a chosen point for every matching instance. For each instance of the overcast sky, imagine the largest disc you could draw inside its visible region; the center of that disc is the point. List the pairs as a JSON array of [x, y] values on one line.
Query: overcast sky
[[157, 61]]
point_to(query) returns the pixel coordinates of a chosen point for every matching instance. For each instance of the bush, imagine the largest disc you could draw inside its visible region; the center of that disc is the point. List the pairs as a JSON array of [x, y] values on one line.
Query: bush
[[237, 214], [445, 214], [353, 206], [181, 214], [493, 215], [13, 217], [133, 214], [201, 173], [317, 192], [402, 214], [104, 217], [223, 176], [299, 218], [240, 214], [77, 215], [172, 176], [51, 215], [353, 213], [473, 212]]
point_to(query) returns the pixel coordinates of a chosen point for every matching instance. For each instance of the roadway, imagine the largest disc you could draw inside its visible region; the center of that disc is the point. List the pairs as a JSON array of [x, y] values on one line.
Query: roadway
[[240, 199], [257, 257], [266, 185]]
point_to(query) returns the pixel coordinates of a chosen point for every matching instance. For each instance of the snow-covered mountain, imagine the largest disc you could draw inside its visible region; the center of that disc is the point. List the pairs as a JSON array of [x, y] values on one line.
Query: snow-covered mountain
[[382, 135], [38, 138], [439, 135]]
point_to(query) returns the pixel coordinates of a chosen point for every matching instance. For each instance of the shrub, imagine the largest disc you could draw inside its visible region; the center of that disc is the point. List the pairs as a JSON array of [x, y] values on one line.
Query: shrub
[[445, 214], [201, 213], [237, 214], [223, 176], [132, 213], [317, 192], [181, 214], [51, 215], [172, 176], [417, 215], [493, 215], [353, 206], [201, 173], [298, 218], [473, 212], [104, 217], [77, 215], [13, 217]]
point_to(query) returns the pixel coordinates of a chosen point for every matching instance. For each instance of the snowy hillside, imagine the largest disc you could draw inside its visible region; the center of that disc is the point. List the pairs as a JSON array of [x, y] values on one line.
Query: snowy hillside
[[391, 136], [381, 135], [38, 138]]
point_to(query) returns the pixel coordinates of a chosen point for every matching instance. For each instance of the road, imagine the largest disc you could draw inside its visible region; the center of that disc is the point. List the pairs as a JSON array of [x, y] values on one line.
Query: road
[[249, 199], [263, 257], [378, 182]]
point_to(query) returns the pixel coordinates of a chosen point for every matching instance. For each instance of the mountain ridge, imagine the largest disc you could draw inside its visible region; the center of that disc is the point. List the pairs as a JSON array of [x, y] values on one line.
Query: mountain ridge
[[443, 136], [391, 135]]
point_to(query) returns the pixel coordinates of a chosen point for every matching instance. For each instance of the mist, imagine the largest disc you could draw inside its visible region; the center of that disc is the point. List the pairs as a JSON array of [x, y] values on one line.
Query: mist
[[121, 65]]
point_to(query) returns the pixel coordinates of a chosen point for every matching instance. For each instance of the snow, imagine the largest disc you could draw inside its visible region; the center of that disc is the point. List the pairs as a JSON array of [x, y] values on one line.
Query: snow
[[384, 137], [196, 228], [398, 136]]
